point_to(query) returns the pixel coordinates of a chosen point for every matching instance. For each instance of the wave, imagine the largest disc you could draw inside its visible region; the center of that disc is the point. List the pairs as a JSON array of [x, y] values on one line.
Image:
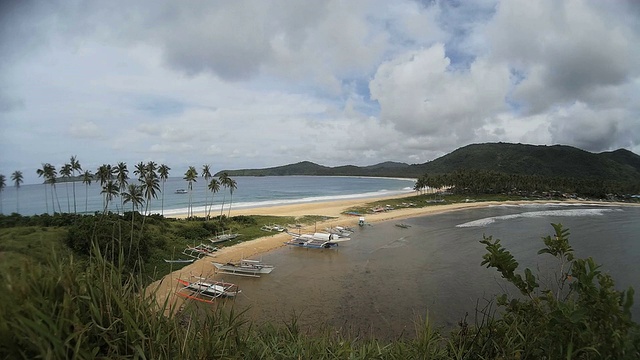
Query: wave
[[278, 202], [536, 214]]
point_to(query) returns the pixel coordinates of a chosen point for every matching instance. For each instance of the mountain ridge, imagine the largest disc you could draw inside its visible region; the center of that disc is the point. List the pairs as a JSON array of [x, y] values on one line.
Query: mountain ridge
[[510, 158]]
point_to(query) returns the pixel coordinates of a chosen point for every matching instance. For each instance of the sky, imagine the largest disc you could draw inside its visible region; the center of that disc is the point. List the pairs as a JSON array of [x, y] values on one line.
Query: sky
[[255, 83]]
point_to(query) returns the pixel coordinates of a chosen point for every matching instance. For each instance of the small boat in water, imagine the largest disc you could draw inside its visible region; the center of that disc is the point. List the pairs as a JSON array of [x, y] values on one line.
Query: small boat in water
[[206, 290], [340, 231], [403, 225], [316, 240], [244, 267], [181, 191]]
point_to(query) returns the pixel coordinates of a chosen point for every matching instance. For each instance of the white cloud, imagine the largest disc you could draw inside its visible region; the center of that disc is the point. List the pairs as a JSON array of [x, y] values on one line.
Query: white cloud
[[85, 129], [420, 94], [251, 84]]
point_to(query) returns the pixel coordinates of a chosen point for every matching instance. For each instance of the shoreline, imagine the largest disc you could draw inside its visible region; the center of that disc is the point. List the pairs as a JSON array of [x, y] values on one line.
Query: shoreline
[[164, 289]]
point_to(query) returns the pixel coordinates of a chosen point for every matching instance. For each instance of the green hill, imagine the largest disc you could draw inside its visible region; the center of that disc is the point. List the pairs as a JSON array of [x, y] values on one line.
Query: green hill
[[556, 161]]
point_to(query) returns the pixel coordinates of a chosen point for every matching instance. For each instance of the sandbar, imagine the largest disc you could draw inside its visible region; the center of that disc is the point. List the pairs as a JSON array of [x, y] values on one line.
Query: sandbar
[[164, 289]]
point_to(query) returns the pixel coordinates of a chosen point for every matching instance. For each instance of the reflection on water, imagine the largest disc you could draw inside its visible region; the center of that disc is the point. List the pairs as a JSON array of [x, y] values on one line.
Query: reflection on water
[[387, 277]]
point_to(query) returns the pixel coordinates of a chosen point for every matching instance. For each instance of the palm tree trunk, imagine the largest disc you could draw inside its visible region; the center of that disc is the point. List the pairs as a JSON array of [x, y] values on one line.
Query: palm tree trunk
[[46, 198], [210, 207], [162, 206], [222, 207], [86, 198], [75, 210], [66, 185], [55, 189], [144, 217], [230, 202]]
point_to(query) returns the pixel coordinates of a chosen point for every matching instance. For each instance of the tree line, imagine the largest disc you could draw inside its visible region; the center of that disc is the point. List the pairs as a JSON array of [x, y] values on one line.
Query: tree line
[[493, 182], [115, 182]]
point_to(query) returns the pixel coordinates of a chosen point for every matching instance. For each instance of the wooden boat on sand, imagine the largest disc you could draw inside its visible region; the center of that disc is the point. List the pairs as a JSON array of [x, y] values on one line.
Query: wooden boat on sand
[[206, 290]]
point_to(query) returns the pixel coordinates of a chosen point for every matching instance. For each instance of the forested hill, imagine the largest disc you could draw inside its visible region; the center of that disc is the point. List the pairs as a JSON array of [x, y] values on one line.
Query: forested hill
[[556, 161]]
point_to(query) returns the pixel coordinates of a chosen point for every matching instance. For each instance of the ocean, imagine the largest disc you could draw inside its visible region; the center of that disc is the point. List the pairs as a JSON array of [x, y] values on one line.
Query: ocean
[[251, 192], [383, 280]]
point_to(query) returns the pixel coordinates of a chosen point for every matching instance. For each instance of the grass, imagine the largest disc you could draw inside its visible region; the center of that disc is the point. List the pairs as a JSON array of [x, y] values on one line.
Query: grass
[[54, 305]]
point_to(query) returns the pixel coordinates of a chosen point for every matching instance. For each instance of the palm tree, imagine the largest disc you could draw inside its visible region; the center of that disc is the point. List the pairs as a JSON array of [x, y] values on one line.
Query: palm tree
[[41, 173], [17, 180], [65, 171], [224, 180], [75, 166], [104, 175], [151, 167], [86, 179], [3, 184], [134, 196], [232, 185], [50, 174], [150, 186], [110, 190], [122, 175], [190, 176], [164, 175], [206, 174], [140, 170], [214, 187], [227, 182]]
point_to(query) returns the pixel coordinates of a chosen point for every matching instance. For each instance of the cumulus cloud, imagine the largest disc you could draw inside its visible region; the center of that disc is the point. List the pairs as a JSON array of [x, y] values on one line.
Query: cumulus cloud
[[565, 51], [420, 94], [249, 83]]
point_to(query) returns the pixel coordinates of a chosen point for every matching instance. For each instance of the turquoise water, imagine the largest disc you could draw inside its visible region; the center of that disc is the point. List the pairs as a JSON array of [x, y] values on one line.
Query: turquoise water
[[250, 192]]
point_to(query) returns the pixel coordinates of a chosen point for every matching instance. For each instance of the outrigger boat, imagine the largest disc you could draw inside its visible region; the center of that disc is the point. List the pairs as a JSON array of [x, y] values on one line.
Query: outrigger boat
[[223, 237], [200, 251], [179, 260], [340, 231], [244, 267], [316, 240], [273, 227], [206, 290]]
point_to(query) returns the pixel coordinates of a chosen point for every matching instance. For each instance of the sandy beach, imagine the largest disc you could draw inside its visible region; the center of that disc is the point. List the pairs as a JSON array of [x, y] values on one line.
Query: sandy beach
[[332, 210]]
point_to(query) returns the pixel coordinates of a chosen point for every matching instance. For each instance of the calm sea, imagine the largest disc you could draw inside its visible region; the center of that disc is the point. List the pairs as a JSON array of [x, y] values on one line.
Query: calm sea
[[250, 192], [379, 283]]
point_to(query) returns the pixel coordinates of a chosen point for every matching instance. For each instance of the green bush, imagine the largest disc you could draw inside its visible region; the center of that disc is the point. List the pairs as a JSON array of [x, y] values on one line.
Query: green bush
[[582, 316]]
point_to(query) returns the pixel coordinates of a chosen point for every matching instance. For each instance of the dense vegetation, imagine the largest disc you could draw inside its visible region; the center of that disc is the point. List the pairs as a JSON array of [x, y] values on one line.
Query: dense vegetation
[[478, 182], [557, 168], [65, 306]]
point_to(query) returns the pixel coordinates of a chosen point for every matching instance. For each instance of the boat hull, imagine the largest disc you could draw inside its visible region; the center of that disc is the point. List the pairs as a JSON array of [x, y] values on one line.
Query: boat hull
[[245, 267], [210, 289]]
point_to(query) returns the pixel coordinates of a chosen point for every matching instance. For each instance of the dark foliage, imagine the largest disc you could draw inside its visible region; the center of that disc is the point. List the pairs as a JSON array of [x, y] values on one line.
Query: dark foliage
[[57, 219], [591, 174]]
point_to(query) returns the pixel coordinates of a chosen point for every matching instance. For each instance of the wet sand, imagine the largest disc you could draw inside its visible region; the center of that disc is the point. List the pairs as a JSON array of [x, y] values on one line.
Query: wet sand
[[166, 287]]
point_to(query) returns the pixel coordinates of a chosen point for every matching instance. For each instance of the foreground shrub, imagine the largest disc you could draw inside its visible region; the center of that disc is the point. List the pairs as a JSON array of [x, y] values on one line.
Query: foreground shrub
[[581, 316], [98, 309]]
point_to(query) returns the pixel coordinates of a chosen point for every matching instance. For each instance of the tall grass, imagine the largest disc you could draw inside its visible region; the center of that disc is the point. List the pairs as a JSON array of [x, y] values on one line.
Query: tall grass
[[65, 309], [96, 309]]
